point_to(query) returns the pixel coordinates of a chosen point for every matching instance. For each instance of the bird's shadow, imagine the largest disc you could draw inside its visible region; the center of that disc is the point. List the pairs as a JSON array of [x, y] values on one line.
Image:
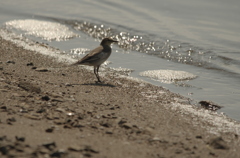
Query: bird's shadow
[[96, 84]]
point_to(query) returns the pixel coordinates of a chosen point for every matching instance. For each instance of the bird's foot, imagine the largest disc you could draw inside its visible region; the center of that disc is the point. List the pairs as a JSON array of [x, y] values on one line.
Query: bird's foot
[[97, 82]]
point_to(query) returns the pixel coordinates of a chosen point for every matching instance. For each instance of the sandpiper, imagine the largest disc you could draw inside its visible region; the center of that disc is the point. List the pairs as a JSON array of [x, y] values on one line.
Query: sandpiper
[[97, 56]]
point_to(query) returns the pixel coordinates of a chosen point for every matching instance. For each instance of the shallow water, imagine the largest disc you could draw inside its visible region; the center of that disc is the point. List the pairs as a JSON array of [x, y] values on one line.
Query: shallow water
[[198, 37]]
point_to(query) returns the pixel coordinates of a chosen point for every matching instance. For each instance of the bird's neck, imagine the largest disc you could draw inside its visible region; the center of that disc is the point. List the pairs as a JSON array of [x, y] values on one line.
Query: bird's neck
[[106, 47]]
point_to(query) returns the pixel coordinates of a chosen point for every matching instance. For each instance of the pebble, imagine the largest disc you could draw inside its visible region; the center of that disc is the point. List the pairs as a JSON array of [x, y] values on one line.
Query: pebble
[[10, 62], [30, 64], [68, 84], [32, 117], [156, 139], [21, 139], [209, 105], [127, 125], [60, 110], [199, 137], [49, 130], [45, 98], [41, 69], [50, 146]]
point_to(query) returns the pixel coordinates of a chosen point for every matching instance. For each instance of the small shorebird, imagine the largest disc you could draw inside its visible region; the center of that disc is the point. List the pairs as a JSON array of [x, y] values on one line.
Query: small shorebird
[[97, 56]]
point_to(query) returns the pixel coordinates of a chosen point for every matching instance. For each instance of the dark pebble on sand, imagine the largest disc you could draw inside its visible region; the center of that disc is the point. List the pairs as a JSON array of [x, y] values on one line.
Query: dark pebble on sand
[[4, 150], [20, 139], [49, 130], [58, 153], [41, 69], [199, 137], [209, 105], [90, 149], [10, 62], [45, 98], [50, 146], [30, 64], [127, 126], [3, 107], [12, 119]]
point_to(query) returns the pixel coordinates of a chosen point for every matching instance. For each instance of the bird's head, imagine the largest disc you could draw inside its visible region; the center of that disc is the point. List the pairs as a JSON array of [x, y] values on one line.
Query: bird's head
[[108, 41]]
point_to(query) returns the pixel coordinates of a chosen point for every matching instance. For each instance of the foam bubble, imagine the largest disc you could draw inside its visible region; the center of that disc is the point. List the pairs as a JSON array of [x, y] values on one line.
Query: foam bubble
[[168, 75]]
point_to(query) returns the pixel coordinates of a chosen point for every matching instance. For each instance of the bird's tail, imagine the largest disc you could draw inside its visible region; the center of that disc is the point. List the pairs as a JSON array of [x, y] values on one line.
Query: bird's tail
[[74, 64]]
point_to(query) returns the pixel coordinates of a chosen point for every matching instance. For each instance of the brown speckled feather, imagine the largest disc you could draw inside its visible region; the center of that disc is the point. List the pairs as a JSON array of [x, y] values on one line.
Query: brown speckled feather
[[90, 57]]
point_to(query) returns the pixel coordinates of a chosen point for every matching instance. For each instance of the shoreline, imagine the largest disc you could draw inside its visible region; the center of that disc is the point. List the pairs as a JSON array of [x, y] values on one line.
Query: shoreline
[[121, 118]]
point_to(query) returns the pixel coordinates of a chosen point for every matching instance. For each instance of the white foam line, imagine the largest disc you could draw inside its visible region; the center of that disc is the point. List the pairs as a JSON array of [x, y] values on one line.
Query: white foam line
[[220, 123], [30, 45]]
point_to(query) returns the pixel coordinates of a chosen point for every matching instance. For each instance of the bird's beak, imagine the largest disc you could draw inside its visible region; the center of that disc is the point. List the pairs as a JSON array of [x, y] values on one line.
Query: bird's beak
[[115, 41]]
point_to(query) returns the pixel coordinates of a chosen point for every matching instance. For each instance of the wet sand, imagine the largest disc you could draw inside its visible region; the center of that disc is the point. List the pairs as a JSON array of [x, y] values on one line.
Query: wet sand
[[50, 110]]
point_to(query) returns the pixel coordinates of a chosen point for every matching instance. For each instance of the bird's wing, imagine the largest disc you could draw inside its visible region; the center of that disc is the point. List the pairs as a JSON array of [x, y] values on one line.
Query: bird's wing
[[92, 56]]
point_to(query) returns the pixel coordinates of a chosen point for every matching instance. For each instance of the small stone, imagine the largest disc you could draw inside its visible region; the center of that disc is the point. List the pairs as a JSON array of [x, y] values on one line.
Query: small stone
[[49, 130], [156, 139], [59, 122], [109, 132], [90, 149], [20, 139], [60, 110], [3, 107], [50, 146], [75, 148], [57, 100], [10, 62], [199, 137], [87, 155], [121, 121], [30, 64], [68, 84], [209, 105], [45, 98], [40, 110], [4, 150], [32, 117], [3, 138], [58, 153], [41, 69], [12, 119], [127, 125]]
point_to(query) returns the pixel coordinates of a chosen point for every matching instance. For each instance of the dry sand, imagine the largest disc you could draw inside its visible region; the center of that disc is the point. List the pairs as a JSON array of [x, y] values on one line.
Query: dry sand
[[60, 112]]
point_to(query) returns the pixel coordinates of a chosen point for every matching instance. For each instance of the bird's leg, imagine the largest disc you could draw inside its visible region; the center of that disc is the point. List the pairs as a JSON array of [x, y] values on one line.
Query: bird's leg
[[96, 73]]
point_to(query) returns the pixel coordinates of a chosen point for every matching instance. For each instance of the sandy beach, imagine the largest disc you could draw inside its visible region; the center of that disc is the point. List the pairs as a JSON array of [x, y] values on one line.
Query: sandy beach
[[50, 110]]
